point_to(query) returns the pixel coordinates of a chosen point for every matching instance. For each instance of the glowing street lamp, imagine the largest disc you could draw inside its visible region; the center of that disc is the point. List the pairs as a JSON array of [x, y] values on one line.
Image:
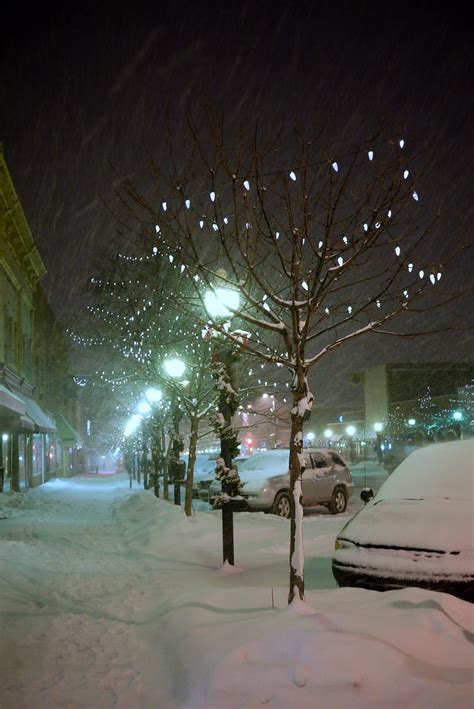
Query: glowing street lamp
[[221, 302], [411, 422], [174, 367], [457, 415], [132, 425], [144, 408], [153, 396], [378, 427]]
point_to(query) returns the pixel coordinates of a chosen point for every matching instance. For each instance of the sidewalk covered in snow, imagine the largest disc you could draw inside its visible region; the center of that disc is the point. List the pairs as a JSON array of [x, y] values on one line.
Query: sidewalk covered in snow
[[112, 598]]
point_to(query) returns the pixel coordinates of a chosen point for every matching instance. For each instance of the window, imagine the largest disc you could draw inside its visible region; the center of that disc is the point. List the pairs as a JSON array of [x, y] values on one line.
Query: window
[[319, 461], [336, 459]]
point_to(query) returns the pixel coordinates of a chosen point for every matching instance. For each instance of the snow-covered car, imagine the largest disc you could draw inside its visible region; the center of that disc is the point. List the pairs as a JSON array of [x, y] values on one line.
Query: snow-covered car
[[265, 479], [419, 528]]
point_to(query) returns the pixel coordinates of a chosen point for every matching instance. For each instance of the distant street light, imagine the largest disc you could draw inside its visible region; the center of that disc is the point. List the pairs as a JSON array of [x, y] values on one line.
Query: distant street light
[[378, 427], [328, 434], [350, 430], [132, 424], [144, 408], [153, 396], [411, 422], [457, 415]]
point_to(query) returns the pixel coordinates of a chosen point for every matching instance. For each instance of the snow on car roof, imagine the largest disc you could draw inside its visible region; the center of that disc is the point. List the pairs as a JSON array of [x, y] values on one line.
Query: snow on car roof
[[272, 462], [439, 470]]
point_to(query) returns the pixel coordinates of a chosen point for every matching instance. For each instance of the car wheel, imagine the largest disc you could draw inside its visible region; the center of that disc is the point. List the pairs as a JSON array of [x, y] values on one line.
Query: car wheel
[[338, 503], [282, 505]]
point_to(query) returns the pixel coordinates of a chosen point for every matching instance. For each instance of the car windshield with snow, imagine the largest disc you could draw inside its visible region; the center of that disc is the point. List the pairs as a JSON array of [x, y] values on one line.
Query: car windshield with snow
[[419, 528], [266, 481]]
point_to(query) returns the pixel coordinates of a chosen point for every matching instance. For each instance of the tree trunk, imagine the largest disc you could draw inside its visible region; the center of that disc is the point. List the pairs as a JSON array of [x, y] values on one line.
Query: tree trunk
[[300, 391], [188, 503]]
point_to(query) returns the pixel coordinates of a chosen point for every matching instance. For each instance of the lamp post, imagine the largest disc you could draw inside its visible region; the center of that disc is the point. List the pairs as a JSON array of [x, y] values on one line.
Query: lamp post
[[144, 409], [378, 428], [328, 437], [175, 368], [154, 397], [350, 430], [272, 420], [130, 430], [220, 303]]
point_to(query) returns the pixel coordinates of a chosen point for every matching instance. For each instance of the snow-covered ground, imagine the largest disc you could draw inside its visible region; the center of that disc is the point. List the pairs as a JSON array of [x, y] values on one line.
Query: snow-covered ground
[[110, 597]]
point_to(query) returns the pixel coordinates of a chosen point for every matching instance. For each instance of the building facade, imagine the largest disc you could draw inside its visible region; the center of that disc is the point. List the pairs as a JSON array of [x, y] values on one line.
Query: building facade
[[33, 366]]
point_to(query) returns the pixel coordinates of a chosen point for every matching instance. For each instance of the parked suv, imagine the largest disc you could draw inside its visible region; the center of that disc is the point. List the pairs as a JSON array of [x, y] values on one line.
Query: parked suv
[[265, 478]]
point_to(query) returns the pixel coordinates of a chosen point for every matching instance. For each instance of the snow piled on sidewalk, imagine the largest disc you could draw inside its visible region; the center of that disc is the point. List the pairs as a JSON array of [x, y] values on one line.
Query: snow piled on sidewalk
[[110, 597]]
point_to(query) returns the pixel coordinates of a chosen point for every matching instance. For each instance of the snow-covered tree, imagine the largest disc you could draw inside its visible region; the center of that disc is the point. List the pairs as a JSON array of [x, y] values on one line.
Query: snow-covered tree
[[324, 245]]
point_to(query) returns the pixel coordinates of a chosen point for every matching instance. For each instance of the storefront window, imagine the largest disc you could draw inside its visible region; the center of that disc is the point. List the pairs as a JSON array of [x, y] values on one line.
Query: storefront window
[[50, 453], [38, 454], [22, 459]]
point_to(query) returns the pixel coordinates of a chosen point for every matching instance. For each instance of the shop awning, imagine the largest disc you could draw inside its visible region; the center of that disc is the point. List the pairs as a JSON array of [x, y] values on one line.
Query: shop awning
[[43, 422], [65, 431], [22, 424], [10, 403]]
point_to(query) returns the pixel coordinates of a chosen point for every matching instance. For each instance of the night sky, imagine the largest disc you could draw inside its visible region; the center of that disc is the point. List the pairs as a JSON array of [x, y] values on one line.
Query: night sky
[[82, 87]]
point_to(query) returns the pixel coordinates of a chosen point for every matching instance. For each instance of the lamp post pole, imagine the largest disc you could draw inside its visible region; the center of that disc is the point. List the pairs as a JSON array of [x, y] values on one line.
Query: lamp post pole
[[176, 448], [175, 369], [222, 303]]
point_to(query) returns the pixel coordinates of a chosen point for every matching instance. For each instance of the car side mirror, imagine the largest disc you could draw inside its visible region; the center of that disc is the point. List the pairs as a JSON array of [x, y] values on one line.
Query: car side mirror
[[366, 494]]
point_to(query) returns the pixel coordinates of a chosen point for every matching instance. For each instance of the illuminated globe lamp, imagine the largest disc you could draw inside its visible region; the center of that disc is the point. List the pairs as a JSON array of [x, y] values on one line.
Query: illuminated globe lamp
[[457, 415], [328, 437], [310, 438], [153, 396], [221, 302], [144, 408], [174, 367], [132, 425]]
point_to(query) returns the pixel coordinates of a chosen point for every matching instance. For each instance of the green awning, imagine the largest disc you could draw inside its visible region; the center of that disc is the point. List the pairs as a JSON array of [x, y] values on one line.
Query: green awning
[[65, 431], [42, 422]]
